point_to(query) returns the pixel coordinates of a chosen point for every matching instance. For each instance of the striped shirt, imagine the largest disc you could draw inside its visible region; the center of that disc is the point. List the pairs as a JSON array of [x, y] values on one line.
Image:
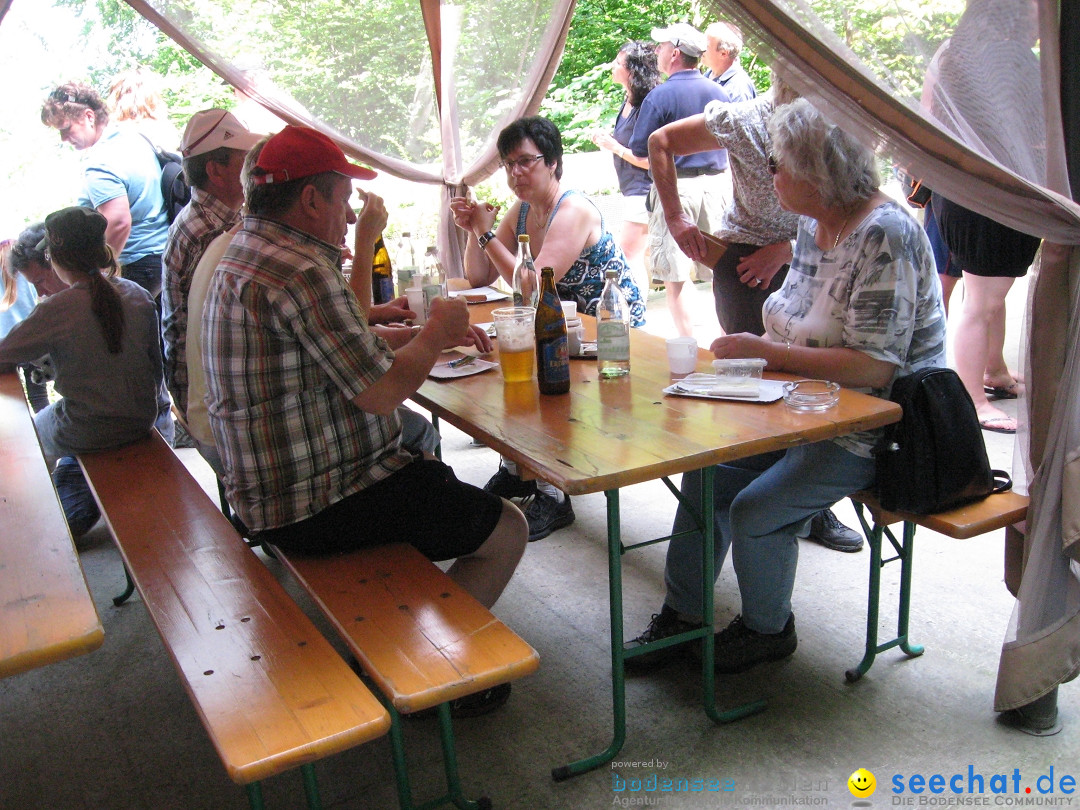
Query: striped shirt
[[285, 350], [200, 223]]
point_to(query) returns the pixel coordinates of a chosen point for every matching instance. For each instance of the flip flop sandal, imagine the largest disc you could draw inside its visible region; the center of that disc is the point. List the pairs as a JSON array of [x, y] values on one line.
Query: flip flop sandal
[[998, 424], [1002, 392]]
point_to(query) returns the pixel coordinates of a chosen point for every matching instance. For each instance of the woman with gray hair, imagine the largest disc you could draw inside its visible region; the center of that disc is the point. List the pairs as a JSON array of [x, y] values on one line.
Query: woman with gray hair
[[860, 305]]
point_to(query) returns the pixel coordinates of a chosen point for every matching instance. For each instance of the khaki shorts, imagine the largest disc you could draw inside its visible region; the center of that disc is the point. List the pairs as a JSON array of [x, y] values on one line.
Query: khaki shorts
[[704, 199], [634, 209]]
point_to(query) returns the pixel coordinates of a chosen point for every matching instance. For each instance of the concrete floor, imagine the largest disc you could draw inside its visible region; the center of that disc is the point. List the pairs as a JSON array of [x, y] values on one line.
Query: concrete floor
[[115, 728]]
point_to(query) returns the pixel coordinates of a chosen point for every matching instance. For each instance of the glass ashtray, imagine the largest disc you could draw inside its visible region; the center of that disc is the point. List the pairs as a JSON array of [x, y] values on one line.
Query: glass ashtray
[[811, 395]]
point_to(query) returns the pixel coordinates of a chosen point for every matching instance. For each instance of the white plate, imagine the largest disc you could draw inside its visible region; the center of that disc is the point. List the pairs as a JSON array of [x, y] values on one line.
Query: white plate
[[489, 294], [768, 391]]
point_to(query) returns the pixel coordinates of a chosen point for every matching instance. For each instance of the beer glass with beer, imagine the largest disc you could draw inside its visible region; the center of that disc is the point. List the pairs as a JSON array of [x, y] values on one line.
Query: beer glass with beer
[[517, 342]]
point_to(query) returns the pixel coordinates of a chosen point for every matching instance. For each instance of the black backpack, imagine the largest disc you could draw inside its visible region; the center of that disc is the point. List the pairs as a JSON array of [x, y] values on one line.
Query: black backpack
[[174, 188], [934, 458]]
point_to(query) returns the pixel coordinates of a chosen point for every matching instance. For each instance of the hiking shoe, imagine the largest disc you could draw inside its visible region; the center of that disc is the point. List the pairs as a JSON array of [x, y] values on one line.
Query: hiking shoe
[[545, 514], [504, 484], [827, 530], [738, 648], [479, 703], [667, 622]]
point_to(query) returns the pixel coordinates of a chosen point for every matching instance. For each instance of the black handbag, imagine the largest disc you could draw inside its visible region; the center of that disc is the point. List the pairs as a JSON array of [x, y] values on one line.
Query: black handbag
[[934, 458]]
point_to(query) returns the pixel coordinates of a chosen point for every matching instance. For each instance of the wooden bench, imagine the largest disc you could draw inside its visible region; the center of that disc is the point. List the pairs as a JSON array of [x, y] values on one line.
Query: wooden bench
[[271, 691], [418, 635], [995, 512], [46, 613]]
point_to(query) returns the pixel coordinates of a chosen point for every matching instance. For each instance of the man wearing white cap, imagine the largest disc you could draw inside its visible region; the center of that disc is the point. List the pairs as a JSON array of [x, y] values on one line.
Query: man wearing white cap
[[213, 148], [302, 395], [704, 186]]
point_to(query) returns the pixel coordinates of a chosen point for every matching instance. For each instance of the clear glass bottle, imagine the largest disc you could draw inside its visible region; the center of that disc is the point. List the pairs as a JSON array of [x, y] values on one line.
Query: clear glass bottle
[[382, 278], [405, 262], [552, 352], [433, 279], [525, 283], [612, 330]]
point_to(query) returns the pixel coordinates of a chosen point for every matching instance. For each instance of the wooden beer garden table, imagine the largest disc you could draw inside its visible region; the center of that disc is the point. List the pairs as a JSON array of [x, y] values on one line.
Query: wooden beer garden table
[[605, 435], [46, 613]]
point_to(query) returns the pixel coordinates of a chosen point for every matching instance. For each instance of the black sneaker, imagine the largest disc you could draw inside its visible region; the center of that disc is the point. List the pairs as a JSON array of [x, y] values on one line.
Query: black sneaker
[[504, 484], [826, 529], [474, 705], [545, 514], [663, 624], [738, 648]]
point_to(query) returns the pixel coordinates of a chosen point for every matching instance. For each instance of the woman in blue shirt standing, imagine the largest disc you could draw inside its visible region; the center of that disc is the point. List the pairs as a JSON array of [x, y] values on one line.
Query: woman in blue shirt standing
[[635, 69]]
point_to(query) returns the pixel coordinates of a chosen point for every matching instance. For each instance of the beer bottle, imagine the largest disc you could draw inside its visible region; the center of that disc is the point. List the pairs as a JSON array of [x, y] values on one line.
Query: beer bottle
[[612, 330], [382, 280], [552, 353], [525, 283]]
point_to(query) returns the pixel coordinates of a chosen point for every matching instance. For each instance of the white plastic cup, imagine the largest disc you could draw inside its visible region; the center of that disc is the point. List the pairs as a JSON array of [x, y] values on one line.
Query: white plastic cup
[[569, 309], [682, 354], [416, 304]]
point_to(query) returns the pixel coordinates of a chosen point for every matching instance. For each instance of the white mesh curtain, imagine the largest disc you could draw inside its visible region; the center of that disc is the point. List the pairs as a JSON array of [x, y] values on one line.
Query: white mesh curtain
[[418, 89], [992, 141]]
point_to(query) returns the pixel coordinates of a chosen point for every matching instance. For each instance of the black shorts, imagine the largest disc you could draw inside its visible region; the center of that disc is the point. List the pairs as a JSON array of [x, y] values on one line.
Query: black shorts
[[423, 504], [981, 246]]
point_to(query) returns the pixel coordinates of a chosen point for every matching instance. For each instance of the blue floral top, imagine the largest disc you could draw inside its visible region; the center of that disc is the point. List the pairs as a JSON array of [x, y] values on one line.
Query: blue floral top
[[584, 281]]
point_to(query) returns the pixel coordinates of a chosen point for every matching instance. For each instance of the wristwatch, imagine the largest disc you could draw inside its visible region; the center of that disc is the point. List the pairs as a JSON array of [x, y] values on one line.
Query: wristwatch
[[484, 238]]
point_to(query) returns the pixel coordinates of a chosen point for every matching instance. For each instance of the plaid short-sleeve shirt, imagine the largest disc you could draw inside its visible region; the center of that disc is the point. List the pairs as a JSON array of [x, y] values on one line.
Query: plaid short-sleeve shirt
[[200, 223], [286, 349]]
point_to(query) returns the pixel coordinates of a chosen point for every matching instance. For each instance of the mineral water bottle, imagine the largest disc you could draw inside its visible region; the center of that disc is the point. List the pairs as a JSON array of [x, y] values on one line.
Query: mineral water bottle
[[382, 279], [405, 262], [552, 353], [525, 283], [612, 330], [433, 281]]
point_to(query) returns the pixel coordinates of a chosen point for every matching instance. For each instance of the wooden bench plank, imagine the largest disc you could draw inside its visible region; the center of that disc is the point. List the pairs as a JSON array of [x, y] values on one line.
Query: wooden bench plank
[[272, 693], [994, 512], [416, 633], [46, 612]]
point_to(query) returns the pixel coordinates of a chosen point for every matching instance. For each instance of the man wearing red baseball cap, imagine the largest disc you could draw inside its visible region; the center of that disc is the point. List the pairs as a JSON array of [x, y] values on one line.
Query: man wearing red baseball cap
[[302, 395]]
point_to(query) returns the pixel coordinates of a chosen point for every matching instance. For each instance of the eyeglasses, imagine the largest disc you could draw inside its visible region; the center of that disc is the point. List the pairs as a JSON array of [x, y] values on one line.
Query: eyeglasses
[[521, 164], [774, 167]]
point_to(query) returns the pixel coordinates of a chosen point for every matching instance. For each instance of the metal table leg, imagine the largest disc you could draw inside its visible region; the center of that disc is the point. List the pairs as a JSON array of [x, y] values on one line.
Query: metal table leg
[[618, 672]]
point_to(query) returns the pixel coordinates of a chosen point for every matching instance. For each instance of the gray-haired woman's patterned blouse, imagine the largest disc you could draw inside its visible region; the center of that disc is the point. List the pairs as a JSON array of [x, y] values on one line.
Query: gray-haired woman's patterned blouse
[[876, 292]]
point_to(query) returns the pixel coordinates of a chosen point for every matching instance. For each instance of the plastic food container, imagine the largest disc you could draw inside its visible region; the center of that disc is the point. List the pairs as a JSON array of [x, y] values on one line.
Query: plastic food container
[[811, 395], [744, 373]]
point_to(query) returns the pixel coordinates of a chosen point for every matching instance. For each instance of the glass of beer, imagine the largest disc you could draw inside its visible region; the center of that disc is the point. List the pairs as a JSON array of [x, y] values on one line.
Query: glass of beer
[[516, 334]]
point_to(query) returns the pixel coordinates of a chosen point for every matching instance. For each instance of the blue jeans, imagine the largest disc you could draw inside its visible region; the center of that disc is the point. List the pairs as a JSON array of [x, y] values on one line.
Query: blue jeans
[[760, 504]]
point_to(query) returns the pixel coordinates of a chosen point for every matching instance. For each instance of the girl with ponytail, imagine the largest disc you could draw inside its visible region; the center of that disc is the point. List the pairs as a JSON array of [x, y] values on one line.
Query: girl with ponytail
[[101, 334]]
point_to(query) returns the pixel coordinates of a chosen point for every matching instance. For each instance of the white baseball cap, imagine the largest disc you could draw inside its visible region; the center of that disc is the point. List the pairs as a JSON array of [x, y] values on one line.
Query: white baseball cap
[[684, 37], [211, 129]]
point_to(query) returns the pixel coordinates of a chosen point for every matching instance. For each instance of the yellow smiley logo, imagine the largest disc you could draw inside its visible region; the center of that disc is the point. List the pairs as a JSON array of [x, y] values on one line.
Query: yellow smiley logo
[[862, 783]]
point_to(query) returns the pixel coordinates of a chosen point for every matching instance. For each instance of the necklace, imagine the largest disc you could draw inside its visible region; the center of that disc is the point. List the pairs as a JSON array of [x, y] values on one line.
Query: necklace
[[840, 232]]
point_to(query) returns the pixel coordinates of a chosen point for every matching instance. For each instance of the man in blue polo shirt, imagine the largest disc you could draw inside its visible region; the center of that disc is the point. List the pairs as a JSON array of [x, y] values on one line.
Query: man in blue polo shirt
[[704, 185], [721, 61]]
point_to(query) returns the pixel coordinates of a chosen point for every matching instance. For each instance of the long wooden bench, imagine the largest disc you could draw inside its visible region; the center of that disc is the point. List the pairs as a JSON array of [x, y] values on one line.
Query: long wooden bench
[[46, 613], [271, 691], [995, 512], [419, 636]]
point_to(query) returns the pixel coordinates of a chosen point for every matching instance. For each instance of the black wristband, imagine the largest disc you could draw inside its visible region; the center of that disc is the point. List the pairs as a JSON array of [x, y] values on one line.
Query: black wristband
[[484, 238]]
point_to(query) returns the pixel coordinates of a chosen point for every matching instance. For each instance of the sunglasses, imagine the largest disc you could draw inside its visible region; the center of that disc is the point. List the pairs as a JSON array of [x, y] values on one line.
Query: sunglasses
[[774, 167]]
